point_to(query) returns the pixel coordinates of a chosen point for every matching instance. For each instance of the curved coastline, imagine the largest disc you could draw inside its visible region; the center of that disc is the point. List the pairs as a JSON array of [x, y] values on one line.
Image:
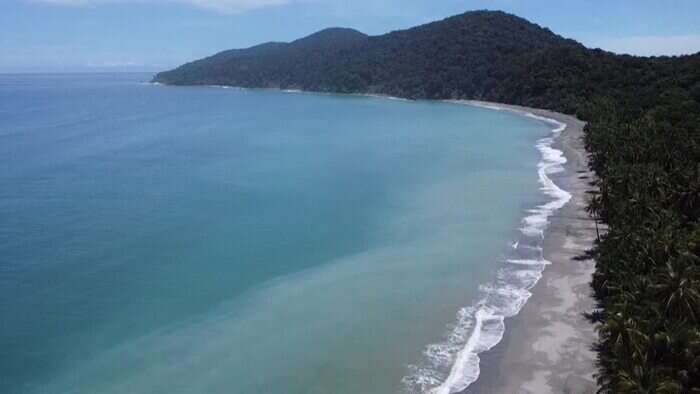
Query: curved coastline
[[547, 347], [464, 362], [482, 326]]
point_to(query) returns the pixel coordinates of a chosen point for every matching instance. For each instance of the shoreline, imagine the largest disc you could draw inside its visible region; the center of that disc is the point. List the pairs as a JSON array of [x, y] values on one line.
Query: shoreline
[[544, 344], [546, 348]]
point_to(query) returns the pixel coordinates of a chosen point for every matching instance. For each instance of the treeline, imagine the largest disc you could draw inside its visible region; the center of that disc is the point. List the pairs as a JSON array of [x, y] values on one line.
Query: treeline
[[643, 137], [646, 153]]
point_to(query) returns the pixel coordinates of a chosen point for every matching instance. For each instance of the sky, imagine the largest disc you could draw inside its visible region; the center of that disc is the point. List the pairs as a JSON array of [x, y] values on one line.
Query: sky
[[153, 35]]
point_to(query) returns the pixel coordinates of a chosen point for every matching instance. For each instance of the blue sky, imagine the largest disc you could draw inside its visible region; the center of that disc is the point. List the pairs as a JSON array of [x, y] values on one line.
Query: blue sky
[[106, 35]]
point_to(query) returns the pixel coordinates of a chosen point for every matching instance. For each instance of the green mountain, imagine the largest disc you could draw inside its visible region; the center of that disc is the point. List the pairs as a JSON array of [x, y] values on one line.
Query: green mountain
[[461, 56], [643, 138], [487, 55]]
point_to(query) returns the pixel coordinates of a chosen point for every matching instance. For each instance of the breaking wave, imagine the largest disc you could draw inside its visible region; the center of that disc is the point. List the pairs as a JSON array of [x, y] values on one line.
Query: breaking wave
[[453, 364]]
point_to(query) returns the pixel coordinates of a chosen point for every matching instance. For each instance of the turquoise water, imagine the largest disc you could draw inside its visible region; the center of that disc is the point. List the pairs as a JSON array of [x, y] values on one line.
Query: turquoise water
[[183, 240]]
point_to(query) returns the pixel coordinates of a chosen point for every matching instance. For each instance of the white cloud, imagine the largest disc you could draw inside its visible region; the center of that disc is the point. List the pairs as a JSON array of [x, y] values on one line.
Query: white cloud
[[650, 45], [227, 6]]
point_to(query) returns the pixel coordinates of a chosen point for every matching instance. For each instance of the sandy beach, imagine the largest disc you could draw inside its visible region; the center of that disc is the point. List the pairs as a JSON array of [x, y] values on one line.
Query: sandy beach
[[547, 346]]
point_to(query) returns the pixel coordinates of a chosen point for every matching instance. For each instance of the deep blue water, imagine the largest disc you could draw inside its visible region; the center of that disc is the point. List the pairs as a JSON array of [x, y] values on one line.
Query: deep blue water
[[177, 240]]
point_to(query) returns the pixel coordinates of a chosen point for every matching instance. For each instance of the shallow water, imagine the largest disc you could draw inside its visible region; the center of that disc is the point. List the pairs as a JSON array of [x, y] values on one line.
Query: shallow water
[[175, 240]]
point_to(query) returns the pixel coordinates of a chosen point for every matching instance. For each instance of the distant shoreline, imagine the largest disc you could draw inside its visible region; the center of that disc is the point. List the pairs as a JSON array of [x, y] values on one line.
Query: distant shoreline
[[292, 91]]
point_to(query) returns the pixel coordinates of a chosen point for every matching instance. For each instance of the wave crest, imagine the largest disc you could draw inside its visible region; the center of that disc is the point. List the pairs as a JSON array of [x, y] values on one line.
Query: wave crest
[[453, 364]]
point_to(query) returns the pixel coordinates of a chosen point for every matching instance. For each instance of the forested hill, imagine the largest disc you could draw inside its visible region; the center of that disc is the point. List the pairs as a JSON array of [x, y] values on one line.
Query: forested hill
[[488, 55], [468, 55]]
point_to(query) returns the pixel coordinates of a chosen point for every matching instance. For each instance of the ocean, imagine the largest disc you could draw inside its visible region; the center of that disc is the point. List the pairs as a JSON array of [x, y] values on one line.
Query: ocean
[[159, 239]]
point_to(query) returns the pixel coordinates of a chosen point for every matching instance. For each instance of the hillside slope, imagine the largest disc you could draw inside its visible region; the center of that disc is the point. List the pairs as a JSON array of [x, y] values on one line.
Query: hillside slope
[[488, 55], [461, 56]]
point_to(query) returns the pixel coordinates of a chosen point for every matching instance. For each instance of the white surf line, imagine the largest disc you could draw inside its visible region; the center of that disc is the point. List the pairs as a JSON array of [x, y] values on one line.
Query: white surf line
[[458, 368], [552, 161]]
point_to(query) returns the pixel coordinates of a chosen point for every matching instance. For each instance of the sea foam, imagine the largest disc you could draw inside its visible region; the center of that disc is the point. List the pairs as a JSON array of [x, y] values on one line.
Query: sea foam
[[453, 364]]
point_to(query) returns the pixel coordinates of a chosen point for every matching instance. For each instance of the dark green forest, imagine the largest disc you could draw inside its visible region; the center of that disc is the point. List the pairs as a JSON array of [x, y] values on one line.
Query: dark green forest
[[642, 135]]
